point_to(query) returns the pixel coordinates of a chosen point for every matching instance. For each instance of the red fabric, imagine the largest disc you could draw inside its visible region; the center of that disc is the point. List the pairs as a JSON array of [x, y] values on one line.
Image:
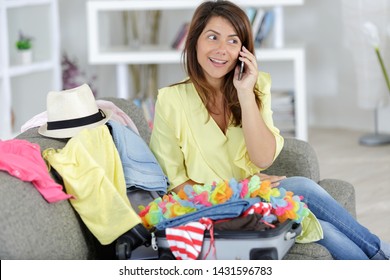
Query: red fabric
[[186, 241], [210, 226], [263, 208]]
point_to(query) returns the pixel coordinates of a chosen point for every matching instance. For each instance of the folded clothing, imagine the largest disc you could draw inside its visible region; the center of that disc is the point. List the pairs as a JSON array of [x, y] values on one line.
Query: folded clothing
[[230, 209]]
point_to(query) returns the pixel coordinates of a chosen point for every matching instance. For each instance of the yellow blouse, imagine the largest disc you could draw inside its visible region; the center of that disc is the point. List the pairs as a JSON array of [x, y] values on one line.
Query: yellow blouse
[[92, 171], [188, 143]]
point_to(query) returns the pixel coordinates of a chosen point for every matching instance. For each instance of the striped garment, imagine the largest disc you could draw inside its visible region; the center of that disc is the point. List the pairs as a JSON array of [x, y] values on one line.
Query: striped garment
[[186, 241]]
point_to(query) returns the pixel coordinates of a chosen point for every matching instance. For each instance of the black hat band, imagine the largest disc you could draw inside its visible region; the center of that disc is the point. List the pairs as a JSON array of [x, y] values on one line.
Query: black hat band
[[76, 122]]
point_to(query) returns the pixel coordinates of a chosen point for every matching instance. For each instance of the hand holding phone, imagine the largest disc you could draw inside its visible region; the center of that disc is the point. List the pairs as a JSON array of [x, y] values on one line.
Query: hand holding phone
[[241, 70]]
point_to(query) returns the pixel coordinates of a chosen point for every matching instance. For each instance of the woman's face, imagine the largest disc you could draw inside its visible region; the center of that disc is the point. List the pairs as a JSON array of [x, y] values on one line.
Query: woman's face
[[218, 48]]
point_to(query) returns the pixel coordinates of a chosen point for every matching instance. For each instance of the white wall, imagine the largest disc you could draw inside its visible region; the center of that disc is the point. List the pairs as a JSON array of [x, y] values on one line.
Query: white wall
[[74, 42], [331, 76], [332, 84]]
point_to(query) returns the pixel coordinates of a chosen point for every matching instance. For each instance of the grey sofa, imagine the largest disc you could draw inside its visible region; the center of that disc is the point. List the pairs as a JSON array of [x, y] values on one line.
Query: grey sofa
[[31, 228]]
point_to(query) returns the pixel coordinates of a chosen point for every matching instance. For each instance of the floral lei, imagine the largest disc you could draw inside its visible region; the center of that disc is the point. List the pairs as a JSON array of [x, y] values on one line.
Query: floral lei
[[283, 204]]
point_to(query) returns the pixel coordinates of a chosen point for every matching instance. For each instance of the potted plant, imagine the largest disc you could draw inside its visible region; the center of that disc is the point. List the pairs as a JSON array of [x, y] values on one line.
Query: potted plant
[[24, 47], [371, 32]]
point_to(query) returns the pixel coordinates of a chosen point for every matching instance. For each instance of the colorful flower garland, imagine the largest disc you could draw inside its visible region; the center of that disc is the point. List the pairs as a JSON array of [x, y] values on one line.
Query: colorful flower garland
[[285, 205]]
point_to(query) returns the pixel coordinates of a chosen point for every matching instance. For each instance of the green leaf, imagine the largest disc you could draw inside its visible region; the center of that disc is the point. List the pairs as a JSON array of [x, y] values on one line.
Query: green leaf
[[23, 45]]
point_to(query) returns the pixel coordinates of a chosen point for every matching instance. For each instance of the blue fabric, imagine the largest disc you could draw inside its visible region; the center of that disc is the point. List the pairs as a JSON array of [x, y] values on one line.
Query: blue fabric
[[344, 237], [140, 166], [230, 209]]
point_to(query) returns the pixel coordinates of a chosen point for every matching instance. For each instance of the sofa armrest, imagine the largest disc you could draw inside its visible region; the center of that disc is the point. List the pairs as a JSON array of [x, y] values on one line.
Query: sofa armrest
[[33, 229], [342, 191], [297, 158]]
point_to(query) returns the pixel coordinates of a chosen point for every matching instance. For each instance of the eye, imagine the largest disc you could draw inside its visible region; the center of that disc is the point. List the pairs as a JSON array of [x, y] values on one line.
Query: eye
[[233, 41], [212, 37]]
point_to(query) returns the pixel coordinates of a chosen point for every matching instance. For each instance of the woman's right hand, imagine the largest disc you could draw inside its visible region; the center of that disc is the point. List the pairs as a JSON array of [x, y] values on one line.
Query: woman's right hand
[[181, 186]]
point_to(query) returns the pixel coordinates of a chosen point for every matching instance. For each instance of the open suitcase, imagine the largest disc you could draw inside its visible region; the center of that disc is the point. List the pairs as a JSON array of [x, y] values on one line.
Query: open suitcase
[[270, 244], [267, 244]]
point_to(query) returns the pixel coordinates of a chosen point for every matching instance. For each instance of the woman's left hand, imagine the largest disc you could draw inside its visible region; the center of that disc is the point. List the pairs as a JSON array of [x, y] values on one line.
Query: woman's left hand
[[275, 180]]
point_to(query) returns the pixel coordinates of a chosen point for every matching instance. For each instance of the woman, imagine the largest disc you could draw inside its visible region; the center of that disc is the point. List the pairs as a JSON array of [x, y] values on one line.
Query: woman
[[213, 125]]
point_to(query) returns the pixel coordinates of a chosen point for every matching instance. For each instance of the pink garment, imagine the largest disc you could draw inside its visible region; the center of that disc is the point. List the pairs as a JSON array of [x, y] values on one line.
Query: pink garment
[[117, 115], [23, 160], [35, 121]]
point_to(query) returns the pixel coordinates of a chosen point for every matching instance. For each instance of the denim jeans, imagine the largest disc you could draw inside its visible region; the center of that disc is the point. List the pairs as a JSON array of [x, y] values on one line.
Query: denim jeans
[[140, 167], [344, 237], [230, 209]]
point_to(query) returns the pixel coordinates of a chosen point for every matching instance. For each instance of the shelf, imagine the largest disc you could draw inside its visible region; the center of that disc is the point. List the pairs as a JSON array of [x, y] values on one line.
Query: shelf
[[122, 56], [143, 55], [20, 70], [176, 4], [148, 55], [166, 55], [43, 24], [25, 3]]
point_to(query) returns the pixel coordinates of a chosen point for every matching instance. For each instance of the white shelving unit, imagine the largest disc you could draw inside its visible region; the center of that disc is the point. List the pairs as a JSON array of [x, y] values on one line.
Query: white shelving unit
[[39, 19], [121, 56]]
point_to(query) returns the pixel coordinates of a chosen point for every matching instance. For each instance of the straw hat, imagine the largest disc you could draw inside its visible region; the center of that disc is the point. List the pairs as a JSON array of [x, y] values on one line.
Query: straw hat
[[70, 111]]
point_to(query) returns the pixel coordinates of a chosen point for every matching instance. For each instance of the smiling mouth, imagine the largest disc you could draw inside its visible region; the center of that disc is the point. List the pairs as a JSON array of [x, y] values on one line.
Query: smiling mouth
[[217, 61]]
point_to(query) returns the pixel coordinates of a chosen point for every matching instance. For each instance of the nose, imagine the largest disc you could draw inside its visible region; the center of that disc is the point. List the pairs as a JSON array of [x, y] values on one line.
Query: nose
[[221, 48]]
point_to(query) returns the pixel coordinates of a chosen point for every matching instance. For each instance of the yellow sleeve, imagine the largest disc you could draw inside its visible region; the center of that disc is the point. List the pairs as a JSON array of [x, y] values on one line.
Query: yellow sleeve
[[164, 141], [264, 84]]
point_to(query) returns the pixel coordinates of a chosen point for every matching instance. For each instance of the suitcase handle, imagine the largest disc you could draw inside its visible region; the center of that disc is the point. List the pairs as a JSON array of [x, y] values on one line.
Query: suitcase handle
[[295, 230]]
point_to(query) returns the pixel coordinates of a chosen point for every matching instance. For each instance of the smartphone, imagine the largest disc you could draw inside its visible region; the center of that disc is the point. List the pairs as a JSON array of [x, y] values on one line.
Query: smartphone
[[241, 70]]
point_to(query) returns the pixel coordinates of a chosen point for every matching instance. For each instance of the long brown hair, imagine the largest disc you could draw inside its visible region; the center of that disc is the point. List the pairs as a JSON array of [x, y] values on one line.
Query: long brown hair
[[240, 22]]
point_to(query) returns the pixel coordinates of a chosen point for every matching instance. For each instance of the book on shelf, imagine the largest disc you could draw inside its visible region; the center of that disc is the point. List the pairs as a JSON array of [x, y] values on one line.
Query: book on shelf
[[282, 97], [262, 20], [251, 13], [179, 41], [285, 123], [258, 18], [265, 27], [282, 105]]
